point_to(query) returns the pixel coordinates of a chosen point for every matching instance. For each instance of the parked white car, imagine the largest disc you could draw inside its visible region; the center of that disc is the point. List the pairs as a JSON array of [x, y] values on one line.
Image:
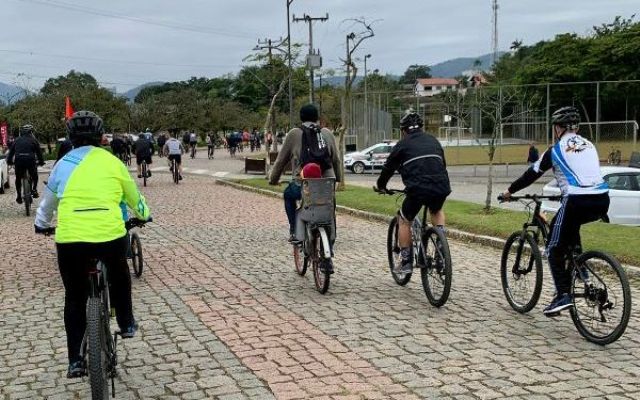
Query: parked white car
[[624, 192], [4, 173], [369, 158]]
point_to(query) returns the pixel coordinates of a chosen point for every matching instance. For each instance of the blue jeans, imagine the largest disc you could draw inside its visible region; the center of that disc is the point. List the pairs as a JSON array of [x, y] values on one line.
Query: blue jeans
[[292, 194]]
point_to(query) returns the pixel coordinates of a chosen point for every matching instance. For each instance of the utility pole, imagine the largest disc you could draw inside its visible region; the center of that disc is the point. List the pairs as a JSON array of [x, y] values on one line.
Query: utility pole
[[290, 68], [366, 104], [313, 59], [494, 37]]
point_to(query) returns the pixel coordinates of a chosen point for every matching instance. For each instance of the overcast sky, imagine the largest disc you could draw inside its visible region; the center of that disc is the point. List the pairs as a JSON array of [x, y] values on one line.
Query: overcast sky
[[211, 37]]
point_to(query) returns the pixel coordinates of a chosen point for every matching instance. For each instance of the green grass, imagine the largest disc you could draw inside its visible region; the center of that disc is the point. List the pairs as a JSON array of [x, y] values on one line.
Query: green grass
[[470, 217]]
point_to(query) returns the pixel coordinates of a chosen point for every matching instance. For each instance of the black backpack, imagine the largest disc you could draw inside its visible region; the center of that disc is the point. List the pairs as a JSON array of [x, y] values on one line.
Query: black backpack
[[314, 148]]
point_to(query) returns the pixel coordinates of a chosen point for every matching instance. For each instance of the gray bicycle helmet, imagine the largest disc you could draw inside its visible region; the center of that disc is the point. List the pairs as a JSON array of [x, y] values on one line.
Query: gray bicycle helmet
[[84, 125], [566, 116], [26, 130], [411, 121]]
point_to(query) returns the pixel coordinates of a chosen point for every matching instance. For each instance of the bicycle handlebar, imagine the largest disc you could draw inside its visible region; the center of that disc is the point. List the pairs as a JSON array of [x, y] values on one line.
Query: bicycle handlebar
[[136, 223], [535, 197], [390, 192]]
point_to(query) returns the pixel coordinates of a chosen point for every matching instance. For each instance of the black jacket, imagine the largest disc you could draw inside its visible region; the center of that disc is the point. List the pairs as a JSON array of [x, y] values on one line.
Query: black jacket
[[420, 160], [25, 148]]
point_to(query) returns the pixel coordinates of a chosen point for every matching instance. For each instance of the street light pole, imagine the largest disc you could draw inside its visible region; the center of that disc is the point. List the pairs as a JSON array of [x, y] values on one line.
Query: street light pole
[[290, 69], [366, 104]]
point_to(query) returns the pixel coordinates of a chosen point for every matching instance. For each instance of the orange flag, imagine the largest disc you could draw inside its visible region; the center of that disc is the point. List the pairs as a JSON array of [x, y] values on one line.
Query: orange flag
[[68, 110]]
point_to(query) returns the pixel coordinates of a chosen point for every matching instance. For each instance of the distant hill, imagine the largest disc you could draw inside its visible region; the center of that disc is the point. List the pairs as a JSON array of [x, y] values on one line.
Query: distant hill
[[131, 94], [8, 91], [455, 67]]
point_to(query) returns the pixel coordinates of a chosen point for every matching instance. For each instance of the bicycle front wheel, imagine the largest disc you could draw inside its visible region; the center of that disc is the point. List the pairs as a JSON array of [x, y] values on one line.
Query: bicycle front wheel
[[137, 260], [97, 343], [601, 296], [299, 259], [437, 272], [521, 271], [320, 277], [393, 254]]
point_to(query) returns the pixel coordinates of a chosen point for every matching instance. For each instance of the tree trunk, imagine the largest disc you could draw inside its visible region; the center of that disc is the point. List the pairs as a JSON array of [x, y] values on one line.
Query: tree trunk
[[487, 201], [270, 124]]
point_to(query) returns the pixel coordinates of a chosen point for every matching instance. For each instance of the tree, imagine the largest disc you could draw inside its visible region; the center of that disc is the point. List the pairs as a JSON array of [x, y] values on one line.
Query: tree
[[415, 71]]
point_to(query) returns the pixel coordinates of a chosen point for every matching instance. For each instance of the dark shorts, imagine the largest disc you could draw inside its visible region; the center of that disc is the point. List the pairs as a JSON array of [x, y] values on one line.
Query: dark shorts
[[140, 158], [412, 205], [177, 157]]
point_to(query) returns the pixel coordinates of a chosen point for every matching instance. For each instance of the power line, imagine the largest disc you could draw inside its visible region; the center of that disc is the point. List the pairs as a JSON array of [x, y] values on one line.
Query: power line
[[105, 60], [109, 14], [28, 75]]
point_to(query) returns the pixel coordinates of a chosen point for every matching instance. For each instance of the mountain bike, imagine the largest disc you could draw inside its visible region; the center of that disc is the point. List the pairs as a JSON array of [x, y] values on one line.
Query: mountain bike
[[600, 311], [317, 213], [27, 196], [430, 251], [175, 171], [135, 245], [99, 344], [145, 172]]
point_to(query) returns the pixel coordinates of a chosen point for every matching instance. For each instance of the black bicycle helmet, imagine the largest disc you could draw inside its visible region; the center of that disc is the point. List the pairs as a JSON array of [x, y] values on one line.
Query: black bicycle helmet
[[26, 130], [566, 116], [84, 125], [411, 121]]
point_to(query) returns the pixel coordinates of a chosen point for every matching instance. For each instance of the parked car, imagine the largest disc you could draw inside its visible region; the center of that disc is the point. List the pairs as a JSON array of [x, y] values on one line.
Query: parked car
[[4, 173], [369, 158], [624, 192]]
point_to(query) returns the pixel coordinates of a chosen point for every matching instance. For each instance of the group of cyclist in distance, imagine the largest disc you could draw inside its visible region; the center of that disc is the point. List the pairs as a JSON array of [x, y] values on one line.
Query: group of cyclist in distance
[[90, 187]]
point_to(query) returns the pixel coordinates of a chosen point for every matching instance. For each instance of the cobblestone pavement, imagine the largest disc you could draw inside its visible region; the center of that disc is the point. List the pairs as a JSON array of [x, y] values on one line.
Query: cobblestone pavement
[[223, 315]]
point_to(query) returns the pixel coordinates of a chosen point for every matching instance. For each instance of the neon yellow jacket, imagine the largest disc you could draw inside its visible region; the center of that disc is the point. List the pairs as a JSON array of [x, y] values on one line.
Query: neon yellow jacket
[[91, 189]]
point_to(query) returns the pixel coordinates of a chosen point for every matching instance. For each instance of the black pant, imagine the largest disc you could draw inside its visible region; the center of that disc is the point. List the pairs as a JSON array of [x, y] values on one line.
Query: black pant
[[74, 259], [574, 212], [23, 166]]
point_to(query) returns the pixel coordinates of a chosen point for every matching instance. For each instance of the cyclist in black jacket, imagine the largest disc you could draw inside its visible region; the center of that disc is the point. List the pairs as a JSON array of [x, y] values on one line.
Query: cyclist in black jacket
[[26, 155], [419, 158]]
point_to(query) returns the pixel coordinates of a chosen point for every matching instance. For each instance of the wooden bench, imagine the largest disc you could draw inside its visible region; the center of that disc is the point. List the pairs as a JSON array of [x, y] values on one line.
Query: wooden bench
[[255, 165]]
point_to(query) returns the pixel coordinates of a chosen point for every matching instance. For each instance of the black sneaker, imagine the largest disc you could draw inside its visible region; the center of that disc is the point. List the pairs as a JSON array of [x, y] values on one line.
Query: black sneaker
[[19, 200], [140, 176], [34, 194], [149, 174], [129, 332], [76, 369], [559, 303], [179, 177], [326, 265]]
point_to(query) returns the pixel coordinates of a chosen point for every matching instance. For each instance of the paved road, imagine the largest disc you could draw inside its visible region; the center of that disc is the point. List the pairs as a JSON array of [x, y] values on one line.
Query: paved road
[[223, 315]]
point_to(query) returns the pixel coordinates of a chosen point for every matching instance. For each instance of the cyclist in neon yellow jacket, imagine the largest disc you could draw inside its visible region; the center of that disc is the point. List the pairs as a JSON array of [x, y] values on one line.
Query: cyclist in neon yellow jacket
[[90, 189]]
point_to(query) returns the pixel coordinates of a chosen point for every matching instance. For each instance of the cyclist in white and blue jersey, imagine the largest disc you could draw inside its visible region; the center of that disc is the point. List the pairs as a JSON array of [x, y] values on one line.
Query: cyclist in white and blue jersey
[[585, 196]]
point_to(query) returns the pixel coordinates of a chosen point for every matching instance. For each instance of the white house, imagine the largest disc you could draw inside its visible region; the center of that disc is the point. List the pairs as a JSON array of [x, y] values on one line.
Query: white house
[[432, 86]]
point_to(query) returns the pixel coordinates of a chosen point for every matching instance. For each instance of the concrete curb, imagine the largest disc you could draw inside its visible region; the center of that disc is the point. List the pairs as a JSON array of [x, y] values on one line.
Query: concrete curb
[[456, 234]]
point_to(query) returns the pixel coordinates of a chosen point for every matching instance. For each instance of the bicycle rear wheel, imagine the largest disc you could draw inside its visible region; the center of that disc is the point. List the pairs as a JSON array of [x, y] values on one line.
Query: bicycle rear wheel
[[601, 296], [137, 260], [320, 277], [299, 259], [436, 274], [26, 195], [393, 253], [97, 344], [144, 173], [175, 171], [521, 271]]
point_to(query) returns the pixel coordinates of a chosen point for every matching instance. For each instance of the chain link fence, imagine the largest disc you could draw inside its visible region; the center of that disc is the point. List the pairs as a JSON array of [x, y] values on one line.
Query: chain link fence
[[468, 121]]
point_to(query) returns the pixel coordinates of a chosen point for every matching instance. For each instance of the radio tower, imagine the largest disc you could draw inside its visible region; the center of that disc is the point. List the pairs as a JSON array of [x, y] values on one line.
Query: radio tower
[[494, 38]]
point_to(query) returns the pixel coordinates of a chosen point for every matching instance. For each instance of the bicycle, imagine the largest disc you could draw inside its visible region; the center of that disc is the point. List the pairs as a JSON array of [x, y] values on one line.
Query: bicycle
[[99, 345], [27, 196], [135, 245], [590, 272], [317, 212], [145, 172], [175, 172], [430, 251], [193, 151]]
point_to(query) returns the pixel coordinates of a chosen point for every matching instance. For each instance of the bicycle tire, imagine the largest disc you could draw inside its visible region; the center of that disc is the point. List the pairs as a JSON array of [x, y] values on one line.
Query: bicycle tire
[[299, 259], [433, 236], [26, 195], [393, 250], [175, 172], [96, 341], [137, 260], [144, 173], [534, 264], [621, 326], [320, 278]]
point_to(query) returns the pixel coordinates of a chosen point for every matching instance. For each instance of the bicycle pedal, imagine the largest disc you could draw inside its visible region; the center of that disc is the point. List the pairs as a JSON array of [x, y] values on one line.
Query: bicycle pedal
[[553, 315]]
